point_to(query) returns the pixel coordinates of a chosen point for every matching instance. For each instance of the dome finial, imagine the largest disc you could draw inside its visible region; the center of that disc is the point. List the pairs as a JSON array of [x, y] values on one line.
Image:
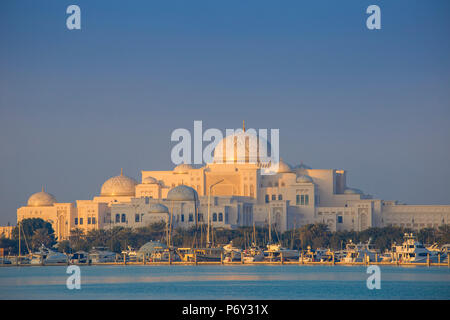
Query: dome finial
[[243, 125], [43, 189], [121, 171]]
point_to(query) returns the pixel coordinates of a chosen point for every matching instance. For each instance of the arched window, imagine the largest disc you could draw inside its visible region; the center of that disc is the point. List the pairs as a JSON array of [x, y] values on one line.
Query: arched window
[[124, 217], [220, 216], [117, 218], [214, 216], [280, 197]]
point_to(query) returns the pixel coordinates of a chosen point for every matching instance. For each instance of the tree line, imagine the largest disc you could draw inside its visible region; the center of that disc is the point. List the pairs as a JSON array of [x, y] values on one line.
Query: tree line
[[35, 232]]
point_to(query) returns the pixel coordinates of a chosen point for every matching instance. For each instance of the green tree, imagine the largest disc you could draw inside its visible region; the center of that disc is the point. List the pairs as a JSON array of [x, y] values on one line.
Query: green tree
[[28, 229], [78, 240], [64, 246], [42, 237]]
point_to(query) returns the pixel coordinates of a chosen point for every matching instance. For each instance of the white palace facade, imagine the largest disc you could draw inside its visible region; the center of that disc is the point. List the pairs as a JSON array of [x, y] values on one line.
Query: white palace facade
[[240, 195]]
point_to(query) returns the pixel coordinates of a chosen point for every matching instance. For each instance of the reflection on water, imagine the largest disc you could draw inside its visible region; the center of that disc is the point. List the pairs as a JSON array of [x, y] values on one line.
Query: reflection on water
[[223, 282]]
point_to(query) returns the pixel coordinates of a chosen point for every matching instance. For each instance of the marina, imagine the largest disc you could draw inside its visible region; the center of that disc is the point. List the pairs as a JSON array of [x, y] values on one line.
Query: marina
[[410, 253], [234, 281]]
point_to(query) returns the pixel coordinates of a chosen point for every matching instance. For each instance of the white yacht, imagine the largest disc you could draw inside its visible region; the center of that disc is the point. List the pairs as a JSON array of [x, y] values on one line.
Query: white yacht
[[101, 255], [361, 252], [412, 251], [276, 251], [445, 250], [318, 255], [231, 253], [252, 254], [47, 256], [130, 253]]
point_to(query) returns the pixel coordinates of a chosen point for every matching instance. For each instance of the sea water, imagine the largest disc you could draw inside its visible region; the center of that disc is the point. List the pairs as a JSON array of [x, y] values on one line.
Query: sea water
[[224, 282]]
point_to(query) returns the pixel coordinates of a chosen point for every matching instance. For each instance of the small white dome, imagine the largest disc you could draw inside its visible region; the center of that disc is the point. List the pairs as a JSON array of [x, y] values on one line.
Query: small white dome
[[182, 168], [182, 193], [41, 199], [149, 180], [283, 167], [158, 208], [119, 186], [353, 191], [304, 179], [302, 169]]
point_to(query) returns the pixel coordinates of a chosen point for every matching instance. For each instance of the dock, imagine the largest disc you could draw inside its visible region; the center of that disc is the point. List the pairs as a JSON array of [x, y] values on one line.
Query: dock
[[235, 263]]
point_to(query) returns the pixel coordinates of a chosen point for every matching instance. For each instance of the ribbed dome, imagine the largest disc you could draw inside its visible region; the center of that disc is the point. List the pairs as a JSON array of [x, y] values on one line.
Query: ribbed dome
[[41, 199], [182, 193], [158, 208], [182, 168], [241, 147], [149, 180], [304, 179], [119, 186], [353, 191], [283, 167]]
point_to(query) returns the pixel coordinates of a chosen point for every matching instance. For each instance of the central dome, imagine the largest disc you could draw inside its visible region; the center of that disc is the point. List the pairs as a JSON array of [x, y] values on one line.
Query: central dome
[[119, 186], [242, 147], [41, 199]]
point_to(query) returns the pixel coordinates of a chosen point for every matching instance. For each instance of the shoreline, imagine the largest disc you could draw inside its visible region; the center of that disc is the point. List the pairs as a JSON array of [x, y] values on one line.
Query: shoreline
[[219, 263]]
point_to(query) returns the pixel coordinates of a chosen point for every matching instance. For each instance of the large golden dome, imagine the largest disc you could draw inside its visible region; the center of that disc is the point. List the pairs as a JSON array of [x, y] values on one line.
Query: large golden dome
[[242, 147], [41, 199], [119, 186]]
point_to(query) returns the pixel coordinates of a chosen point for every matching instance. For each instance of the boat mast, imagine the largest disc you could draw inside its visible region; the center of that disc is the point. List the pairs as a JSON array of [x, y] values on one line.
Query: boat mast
[[270, 228], [254, 234], [208, 238], [19, 240]]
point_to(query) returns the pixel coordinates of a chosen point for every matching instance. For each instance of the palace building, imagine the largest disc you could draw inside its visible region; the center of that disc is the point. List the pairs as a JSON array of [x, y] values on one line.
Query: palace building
[[239, 193]]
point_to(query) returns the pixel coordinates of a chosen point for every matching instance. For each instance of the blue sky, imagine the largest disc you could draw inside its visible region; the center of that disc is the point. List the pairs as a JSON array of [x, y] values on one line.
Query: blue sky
[[76, 106]]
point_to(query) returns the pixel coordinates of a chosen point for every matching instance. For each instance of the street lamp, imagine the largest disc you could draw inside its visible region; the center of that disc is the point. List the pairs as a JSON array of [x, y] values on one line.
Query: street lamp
[[209, 211]]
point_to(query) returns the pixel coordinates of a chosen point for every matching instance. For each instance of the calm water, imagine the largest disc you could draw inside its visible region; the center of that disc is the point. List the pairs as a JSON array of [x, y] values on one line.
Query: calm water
[[224, 282]]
